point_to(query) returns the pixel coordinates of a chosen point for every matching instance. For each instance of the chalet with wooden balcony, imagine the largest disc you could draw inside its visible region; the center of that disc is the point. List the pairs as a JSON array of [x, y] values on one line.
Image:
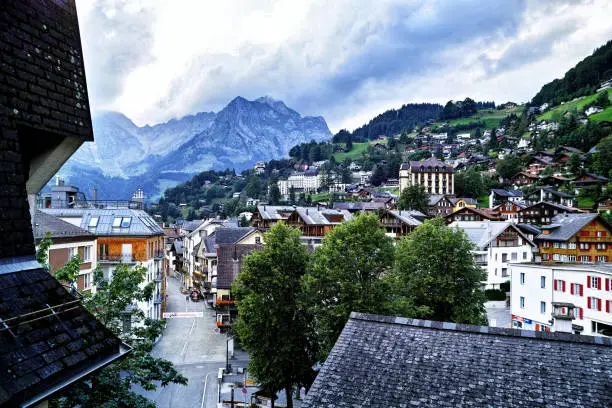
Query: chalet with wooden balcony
[[123, 236], [401, 223], [509, 210], [584, 238], [474, 214], [543, 212]]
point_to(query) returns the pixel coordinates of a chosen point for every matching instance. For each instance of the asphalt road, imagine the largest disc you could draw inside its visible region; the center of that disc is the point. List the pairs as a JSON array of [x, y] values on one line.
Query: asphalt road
[[197, 350]]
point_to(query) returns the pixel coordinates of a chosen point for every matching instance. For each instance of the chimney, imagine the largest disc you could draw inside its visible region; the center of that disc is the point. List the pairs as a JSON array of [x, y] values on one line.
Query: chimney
[[562, 316]]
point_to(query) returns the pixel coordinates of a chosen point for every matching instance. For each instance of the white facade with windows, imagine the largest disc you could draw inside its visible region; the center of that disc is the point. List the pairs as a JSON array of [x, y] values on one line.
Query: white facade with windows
[[303, 182], [498, 243], [587, 287]]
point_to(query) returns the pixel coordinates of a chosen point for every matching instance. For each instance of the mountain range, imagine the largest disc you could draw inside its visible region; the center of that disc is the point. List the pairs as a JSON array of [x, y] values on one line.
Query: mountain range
[[125, 157]]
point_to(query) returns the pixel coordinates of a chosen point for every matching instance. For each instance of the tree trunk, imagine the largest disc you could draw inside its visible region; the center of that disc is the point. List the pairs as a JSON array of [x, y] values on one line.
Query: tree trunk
[[289, 395]]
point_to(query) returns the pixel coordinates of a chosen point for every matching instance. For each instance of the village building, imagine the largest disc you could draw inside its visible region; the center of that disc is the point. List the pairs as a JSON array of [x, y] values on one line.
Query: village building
[[542, 213], [463, 202], [497, 244], [308, 181], [398, 224], [385, 361], [499, 195], [124, 236], [581, 238], [537, 288], [67, 241], [48, 340], [509, 210], [549, 194], [437, 177], [440, 205], [231, 245], [473, 214]]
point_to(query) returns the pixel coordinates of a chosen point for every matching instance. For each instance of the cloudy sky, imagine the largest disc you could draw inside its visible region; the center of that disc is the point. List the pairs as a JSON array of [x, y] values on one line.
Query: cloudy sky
[[346, 60]]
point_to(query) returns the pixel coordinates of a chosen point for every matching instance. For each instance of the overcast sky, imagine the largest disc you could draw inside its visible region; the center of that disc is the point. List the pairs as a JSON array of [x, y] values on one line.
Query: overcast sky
[[347, 60]]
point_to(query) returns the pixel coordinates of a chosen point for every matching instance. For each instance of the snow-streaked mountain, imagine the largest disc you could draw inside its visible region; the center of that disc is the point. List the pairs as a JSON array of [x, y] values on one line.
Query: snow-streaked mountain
[[125, 156]]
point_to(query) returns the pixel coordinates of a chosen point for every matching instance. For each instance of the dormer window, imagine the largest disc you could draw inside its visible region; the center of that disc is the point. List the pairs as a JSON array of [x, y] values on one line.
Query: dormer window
[[93, 223]]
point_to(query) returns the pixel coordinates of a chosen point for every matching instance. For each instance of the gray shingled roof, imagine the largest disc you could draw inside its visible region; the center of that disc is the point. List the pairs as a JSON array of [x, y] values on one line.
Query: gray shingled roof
[[141, 223], [47, 337], [415, 166], [43, 223], [231, 235], [408, 217], [359, 205], [273, 212], [565, 226], [315, 216], [481, 233], [383, 362]]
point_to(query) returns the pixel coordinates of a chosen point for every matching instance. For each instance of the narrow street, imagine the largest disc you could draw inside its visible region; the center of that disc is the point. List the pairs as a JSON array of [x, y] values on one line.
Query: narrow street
[[197, 350]]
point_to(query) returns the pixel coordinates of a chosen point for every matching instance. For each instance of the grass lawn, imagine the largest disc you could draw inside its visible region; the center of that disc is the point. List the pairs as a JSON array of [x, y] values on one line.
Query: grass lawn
[[483, 201], [320, 197], [355, 153], [491, 117], [601, 116], [577, 105]]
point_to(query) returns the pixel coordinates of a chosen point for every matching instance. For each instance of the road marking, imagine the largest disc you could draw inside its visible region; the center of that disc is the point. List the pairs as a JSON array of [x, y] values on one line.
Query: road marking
[[204, 392], [178, 315], [184, 347], [192, 326]]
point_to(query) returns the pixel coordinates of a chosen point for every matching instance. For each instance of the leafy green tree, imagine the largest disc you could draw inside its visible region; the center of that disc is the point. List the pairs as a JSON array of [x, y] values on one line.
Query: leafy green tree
[[253, 187], [414, 197], [403, 139], [274, 195], [113, 385], [435, 271], [604, 149], [469, 183], [508, 167], [42, 253], [346, 276], [574, 164], [602, 100], [493, 142], [349, 143], [272, 324]]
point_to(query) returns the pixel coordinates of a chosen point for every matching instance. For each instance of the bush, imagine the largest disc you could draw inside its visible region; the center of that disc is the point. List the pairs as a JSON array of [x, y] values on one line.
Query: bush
[[505, 287], [495, 294]]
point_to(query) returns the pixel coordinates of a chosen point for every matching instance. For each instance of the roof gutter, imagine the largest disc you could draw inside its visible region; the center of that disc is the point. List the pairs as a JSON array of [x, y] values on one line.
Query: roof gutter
[[124, 350]]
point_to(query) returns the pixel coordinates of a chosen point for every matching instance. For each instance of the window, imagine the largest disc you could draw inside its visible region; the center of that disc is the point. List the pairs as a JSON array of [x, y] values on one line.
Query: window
[[559, 285], [555, 245], [545, 257], [584, 246], [546, 244], [504, 257], [86, 280], [556, 257], [505, 272], [578, 313], [571, 245], [125, 222], [576, 289], [595, 282], [542, 307], [258, 240], [524, 256], [594, 303], [102, 251], [117, 222], [93, 223], [584, 233], [601, 233], [600, 246], [543, 282], [522, 278], [585, 258], [522, 302], [571, 258], [86, 254], [601, 258], [563, 245], [513, 256], [72, 252]]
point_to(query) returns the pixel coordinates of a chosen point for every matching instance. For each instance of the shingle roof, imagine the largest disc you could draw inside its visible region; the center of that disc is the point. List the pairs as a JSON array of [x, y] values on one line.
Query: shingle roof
[[481, 233], [382, 362], [565, 226], [274, 212], [408, 217], [141, 223], [557, 193], [323, 216], [359, 206], [507, 193], [43, 223], [42, 347], [430, 165], [553, 205], [231, 235], [192, 225]]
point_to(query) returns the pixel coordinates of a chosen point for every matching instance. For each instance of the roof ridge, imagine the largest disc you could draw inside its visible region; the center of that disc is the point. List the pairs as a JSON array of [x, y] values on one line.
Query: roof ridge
[[498, 331]]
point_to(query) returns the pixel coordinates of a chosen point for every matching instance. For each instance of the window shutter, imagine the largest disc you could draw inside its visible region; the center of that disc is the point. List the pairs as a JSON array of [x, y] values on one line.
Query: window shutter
[[588, 281], [607, 282], [589, 303], [599, 283], [555, 284], [581, 290], [572, 289], [598, 304], [580, 313], [563, 286], [608, 305]]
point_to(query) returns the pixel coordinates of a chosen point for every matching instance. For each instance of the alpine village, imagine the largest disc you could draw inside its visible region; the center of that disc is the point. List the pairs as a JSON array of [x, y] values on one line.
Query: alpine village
[[455, 255]]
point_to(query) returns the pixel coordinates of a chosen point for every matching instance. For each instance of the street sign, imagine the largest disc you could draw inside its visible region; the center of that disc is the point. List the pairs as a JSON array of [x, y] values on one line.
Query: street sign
[[178, 315]]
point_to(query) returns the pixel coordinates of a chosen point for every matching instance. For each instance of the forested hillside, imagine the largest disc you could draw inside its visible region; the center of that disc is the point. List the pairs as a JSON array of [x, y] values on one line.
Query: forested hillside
[[583, 79]]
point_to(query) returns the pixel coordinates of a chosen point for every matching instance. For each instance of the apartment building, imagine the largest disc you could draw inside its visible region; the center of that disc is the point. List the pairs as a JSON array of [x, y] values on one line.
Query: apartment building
[[498, 243], [308, 181], [192, 241], [124, 236], [68, 241], [577, 237], [437, 177], [587, 287]]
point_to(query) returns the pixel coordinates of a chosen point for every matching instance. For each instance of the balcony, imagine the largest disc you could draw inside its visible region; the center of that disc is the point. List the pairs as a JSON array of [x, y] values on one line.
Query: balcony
[[116, 258], [225, 301]]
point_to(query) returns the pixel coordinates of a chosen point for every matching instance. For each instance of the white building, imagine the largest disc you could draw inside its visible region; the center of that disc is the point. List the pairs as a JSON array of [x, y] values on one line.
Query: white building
[[361, 177], [498, 243], [588, 287], [191, 244], [308, 181], [437, 177]]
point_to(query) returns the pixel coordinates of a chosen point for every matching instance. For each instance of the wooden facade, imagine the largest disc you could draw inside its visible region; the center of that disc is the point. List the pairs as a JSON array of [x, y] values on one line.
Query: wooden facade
[[593, 243], [142, 248]]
